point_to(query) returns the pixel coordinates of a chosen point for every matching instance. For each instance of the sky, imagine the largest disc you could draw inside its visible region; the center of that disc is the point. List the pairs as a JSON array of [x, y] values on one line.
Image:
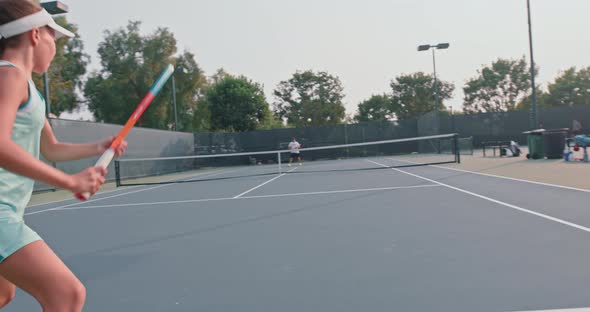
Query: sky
[[365, 43]]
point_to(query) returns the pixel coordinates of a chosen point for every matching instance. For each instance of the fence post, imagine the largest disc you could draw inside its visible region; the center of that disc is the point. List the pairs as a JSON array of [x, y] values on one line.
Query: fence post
[[457, 149]]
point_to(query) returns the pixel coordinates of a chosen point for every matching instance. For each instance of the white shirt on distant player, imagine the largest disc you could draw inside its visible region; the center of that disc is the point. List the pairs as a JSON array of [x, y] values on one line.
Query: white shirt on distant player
[[294, 147]]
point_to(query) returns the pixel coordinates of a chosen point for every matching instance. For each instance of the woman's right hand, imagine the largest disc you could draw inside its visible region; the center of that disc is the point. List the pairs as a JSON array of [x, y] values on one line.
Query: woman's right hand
[[89, 180]]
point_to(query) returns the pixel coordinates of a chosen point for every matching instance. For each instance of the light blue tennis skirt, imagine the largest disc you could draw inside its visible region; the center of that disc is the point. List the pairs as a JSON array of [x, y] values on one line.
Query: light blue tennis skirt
[[14, 233]]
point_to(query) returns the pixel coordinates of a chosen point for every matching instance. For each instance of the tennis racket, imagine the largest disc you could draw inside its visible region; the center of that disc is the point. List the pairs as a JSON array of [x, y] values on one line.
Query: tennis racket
[[107, 156]]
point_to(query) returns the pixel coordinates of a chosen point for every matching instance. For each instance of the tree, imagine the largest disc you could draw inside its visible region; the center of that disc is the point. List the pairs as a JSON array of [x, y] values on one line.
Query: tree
[[219, 75], [130, 64], [527, 102], [413, 95], [66, 71], [376, 108], [270, 121], [202, 116], [498, 88], [310, 98], [571, 87], [236, 104]]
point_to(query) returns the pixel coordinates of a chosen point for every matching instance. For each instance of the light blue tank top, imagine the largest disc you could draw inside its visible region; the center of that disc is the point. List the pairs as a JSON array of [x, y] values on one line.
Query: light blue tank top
[[16, 190]]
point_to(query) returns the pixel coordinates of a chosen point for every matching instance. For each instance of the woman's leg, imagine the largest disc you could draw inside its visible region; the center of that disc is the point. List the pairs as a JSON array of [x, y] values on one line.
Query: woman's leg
[[37, 270], [7, 290]]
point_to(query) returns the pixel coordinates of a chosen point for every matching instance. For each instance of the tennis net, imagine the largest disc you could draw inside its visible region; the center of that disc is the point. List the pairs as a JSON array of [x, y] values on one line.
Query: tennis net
[[465, 146], [408, 152]]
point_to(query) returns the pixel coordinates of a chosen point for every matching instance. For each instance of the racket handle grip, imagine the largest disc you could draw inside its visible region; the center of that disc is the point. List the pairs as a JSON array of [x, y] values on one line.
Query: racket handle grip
[[103, 161]]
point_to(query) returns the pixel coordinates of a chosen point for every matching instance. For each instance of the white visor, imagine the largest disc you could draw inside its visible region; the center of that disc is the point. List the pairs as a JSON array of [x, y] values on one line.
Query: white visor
[[36, 20]]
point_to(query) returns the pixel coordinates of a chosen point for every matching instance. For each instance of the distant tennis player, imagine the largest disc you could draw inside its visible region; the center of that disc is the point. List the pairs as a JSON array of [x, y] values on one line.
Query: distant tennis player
[[294, 147]]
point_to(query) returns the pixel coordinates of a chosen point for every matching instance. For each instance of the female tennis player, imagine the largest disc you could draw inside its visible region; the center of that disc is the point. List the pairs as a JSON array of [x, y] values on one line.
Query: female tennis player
[[27, 45]]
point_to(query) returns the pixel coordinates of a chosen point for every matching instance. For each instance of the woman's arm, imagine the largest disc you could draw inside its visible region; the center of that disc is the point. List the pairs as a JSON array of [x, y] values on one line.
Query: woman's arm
[[14, 92], [56, 151]]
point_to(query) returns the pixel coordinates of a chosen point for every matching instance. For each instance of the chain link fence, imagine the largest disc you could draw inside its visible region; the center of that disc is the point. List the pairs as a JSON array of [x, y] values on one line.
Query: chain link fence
[[477, 127], [142, 143]]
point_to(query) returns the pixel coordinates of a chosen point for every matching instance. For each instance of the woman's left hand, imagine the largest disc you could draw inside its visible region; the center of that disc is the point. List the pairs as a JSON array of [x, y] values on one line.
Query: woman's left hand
[[106, 143]]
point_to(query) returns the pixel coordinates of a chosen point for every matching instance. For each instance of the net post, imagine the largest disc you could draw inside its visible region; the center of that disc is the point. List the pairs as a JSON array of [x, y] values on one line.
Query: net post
[[279, 161], [117, 174], [346, 140], [456, 148]]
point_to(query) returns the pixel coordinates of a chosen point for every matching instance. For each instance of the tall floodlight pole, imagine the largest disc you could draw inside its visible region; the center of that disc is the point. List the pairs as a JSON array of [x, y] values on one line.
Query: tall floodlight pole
[[427, 47], [174, 103], [534, 112], [178, 69]]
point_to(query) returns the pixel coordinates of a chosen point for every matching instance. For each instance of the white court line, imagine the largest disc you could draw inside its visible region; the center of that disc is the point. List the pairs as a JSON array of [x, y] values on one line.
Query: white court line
[[260, 185], [246, 197], [63, 200], [560, 310], [515, 179], [501, 177], [123, 194], [103, 192], [344, 191], [544, 216], [90, 201]]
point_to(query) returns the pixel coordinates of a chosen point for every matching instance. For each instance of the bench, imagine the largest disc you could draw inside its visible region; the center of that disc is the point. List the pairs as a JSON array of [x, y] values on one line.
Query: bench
[[499, 145]]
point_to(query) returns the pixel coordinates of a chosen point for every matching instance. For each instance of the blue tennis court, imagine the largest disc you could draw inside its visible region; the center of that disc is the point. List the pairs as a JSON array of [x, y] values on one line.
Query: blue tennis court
[[428, 238]]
